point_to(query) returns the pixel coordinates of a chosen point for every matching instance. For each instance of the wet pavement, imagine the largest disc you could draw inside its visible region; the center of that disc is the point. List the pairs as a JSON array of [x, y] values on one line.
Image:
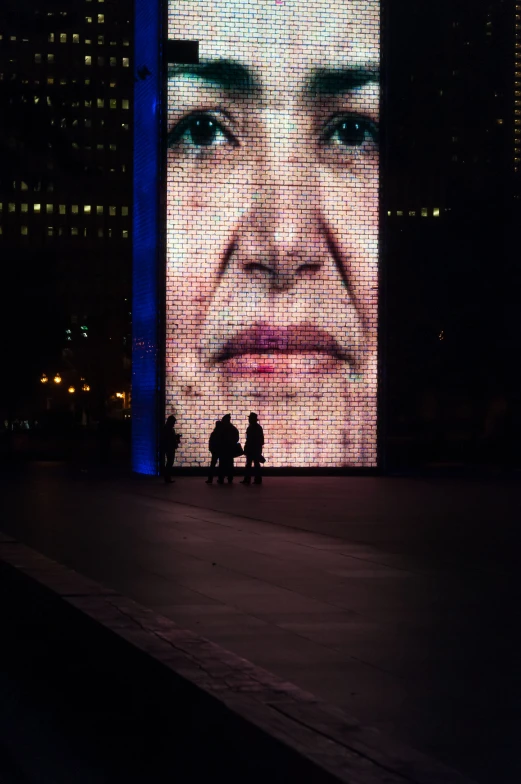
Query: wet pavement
[[395, 599]]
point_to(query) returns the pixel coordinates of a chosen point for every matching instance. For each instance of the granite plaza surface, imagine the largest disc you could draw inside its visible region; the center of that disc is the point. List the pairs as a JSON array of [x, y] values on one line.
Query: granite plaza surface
[[395, 599]]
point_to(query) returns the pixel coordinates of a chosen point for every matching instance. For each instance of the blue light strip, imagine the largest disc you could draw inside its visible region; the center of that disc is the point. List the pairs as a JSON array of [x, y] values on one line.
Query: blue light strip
[[147, 261]]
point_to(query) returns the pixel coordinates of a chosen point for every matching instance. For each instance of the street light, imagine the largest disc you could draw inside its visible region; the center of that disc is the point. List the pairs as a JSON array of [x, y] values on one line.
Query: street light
[[72, 390], [57, 379], [44, 379], [85, 388]]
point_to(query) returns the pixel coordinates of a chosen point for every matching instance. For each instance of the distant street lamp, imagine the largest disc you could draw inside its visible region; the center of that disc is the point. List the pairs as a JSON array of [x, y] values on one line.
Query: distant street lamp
[[44, 379], [85, 388], [72, 390], [120, 395], [57, 379]]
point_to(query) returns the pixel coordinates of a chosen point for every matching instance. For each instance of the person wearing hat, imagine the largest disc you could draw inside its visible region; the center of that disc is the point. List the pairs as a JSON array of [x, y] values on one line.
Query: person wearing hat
[[253, 450], [171, 441]]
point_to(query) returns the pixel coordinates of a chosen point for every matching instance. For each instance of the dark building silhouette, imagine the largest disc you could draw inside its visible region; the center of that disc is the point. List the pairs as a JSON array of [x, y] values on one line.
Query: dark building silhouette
[[66, 84]]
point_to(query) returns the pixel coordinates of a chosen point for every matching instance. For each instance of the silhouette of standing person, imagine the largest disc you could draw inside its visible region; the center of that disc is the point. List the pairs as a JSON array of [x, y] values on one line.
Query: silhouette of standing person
[[214, 445], [170, 443], [229, 438], [253, 450]]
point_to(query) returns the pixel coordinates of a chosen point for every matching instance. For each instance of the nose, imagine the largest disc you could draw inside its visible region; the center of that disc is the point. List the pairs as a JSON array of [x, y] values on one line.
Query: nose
[[283, 237]]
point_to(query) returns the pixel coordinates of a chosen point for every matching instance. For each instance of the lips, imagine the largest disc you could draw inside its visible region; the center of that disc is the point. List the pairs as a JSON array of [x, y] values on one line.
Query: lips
[[262, 339]]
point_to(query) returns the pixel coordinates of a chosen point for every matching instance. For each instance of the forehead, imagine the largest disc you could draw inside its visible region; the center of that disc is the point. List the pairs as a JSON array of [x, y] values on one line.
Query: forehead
[[298, 34]]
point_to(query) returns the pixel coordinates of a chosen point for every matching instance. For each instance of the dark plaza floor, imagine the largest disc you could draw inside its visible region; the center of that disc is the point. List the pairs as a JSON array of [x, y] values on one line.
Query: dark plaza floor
[[396, 599]]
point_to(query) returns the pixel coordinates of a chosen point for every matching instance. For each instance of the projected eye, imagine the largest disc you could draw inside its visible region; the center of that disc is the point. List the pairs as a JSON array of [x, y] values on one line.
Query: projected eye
[[200, 132], [348, 135]]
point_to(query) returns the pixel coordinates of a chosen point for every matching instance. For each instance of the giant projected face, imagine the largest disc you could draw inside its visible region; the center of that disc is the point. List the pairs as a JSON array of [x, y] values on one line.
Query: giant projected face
[[272, 227]]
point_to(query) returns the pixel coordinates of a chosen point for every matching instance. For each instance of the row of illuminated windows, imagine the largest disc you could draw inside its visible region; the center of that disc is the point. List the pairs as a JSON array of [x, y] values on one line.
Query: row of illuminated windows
[[52, 80], [113, 61], [61, 209], [74, 231], [99, 103], [64, 38], [425, 212]]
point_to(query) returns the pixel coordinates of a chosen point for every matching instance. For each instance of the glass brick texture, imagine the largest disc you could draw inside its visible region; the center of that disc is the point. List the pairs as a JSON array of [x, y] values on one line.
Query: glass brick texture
[[272, 227]]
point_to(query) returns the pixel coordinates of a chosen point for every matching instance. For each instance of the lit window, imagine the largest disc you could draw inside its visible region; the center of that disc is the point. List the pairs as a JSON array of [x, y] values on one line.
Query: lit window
[[124, 126], [49, 208], [113, 61], [113, 103], [63, 81], [99, 210], [425, 212], [50, 80], [101, 18], [100, 146], [37, 207], [50, 231], [74, 231], [124, 234], [113, 43], [412, 213], [112, 84], [126, 42], [125, 104], [75, 38], [126, 62], [1, 206], [24, 207], [112, 147], [86, 209], [101, 61], [87, 123], [435, 212], [500, 121], [63, 38], [124, 210], [37, 58], [50, 58], [60, 231], [62, 209], [101, 40], [109, 232], [100, 103], [88, 103], [88, 19], [88, 59], [24, 230], [100, 232], [88, 41], [51, 38], [123, 167], [112, 211], [74, 209]]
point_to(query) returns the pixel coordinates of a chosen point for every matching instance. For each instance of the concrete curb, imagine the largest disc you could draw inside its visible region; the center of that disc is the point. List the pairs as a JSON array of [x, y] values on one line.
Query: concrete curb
[[333, 746]]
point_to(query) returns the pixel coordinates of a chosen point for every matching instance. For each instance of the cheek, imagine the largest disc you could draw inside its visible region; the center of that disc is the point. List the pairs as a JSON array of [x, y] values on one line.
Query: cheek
[[350, 210], [202, 220]]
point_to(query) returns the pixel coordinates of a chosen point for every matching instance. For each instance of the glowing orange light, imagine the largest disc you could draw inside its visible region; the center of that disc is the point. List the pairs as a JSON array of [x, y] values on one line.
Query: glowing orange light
[[85, 388], [44, 379], [72, 390], [57, 379]]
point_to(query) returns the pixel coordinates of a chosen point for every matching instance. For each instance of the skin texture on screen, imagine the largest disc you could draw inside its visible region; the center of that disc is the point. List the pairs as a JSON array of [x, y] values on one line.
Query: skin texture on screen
[[272, 227]]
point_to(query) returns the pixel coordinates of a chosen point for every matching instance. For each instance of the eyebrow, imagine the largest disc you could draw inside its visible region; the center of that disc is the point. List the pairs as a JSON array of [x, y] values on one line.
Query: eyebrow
[[230, 75]]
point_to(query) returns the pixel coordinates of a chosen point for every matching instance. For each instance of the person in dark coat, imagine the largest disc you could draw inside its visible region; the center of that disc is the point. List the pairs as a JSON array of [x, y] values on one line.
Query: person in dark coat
[[214, 445], [228, 440], [171, 441], [253, 450]]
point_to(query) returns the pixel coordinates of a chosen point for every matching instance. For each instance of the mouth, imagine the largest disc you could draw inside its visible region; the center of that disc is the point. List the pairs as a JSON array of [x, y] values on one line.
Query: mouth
[[265, 349]]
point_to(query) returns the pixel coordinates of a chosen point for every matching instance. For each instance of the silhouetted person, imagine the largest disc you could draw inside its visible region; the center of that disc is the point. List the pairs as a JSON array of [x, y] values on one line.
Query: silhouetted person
[[171, 441], [214, 445], [228, 440], [253, 450]]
